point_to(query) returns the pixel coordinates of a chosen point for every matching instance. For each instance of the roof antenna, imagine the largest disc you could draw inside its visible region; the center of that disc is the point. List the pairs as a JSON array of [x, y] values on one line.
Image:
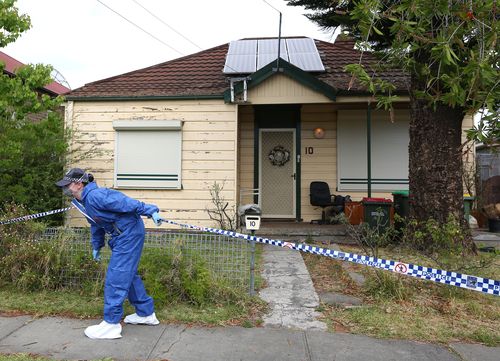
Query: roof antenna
[[279, 39]]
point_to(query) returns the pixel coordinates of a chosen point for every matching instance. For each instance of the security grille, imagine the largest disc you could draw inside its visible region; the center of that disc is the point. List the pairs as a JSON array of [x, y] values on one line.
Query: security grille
[[277, 173]]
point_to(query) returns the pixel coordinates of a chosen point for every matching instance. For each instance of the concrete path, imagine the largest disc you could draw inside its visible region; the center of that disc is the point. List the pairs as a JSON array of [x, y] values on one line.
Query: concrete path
[[290, 292], [63, 339]]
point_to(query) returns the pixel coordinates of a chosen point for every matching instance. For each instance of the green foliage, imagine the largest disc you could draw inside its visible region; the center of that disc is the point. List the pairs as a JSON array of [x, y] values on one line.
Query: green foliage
[[485, 336], [182, 277], [31, 159], [12, 24], [445, 246], [434, 237], [23, 357], [487, 130], [383, 285], [197, 281], [44, 265], [449, 48], [32, 150], [32, 264]]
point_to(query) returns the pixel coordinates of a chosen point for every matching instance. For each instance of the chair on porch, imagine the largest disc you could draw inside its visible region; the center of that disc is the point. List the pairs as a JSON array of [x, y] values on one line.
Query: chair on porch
[[320, 196]]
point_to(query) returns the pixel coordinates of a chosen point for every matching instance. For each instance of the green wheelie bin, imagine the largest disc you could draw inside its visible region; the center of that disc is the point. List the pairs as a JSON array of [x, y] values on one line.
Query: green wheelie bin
[[377, 212]]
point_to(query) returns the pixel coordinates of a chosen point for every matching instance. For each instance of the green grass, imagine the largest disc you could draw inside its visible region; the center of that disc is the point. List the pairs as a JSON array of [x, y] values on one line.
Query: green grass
[[48, 303], [73, 304], [22, 357], [415, 323], [401, 307]]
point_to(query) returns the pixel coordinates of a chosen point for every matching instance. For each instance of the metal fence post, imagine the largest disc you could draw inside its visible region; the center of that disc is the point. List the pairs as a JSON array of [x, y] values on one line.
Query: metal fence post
[[252, 265]]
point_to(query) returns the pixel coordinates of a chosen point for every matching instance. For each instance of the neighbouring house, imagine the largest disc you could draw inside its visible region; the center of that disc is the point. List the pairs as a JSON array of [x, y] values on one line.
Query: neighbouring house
[[488, 182], [237, 115], [52, 89], [488, 160]]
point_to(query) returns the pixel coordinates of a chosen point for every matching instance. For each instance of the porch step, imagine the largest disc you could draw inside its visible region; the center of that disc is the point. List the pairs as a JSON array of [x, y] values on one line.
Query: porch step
[[304, 232]]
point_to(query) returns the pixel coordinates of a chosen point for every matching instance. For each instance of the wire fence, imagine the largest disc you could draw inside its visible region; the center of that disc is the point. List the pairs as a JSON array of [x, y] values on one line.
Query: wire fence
[[227, 259]]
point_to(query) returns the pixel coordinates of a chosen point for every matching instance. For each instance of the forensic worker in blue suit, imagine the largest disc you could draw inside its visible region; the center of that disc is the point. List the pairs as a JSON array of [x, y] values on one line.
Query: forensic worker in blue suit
[[112, 212]]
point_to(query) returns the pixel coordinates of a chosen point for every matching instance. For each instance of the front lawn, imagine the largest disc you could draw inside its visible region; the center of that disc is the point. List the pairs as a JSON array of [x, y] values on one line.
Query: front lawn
[[398, 306]]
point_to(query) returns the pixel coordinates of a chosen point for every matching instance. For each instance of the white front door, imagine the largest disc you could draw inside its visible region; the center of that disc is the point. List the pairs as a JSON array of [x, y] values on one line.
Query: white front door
[[277, 172]]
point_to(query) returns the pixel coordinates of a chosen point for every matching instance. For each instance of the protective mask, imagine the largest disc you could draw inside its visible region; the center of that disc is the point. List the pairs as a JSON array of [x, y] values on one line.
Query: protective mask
[[67, 191]]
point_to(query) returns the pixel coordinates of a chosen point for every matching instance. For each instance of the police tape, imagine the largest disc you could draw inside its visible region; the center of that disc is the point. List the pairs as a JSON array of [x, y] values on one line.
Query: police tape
[[35, 216], [480, 284]]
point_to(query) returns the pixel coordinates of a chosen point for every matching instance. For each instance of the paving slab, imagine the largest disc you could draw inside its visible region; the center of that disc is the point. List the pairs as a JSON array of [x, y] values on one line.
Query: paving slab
[[471, 352], [233, 343], [346, 347], [11, 324], [338, 299], [64, 339], [299, 318], [290, 292]]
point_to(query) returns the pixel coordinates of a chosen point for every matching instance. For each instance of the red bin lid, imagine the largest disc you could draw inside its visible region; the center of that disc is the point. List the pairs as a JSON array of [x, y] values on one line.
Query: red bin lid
[[376, 200]]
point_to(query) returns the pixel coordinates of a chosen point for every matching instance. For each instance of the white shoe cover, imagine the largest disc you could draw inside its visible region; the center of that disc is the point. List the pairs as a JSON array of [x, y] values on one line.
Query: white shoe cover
[[104, 330], [135, 319]]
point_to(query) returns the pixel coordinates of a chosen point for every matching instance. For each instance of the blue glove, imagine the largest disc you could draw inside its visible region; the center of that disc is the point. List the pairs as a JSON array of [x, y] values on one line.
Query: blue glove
[[96, 255], [156, 218]]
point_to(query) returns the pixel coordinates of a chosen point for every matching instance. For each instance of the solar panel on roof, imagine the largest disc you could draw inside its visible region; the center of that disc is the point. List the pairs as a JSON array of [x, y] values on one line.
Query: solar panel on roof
[[236, 64], [267, 50], [247, 56], [304, 54], [243, 47], [241, 57]]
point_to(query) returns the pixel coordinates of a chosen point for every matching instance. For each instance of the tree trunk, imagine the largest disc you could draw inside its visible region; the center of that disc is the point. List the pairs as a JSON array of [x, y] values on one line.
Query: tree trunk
[[435, 163]]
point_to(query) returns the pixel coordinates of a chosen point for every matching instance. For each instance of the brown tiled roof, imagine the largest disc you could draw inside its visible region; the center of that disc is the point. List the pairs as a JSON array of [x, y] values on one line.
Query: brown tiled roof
[[200, 74], [12, 65]]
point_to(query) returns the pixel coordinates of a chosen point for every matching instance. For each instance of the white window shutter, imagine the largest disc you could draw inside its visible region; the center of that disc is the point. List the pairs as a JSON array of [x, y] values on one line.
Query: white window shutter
[[148, 154], [389, 150]]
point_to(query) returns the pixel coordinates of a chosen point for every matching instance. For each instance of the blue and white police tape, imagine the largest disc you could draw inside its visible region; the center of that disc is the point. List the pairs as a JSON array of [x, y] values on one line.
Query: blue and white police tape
[[480, 284], [34, 216], [474, 283]]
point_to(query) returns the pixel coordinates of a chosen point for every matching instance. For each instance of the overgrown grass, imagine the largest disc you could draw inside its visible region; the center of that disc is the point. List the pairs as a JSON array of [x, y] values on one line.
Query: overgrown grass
[[34, 275], [398, 306]]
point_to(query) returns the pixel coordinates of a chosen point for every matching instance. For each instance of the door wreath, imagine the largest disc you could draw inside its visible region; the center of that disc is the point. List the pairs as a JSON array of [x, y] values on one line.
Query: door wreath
[[279, 156]]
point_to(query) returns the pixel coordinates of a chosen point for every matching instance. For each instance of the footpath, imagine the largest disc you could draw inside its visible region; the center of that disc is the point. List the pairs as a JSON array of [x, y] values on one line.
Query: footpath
[[290, 332]]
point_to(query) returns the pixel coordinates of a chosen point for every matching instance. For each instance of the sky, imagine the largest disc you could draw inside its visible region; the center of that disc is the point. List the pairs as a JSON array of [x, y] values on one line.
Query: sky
[[86, 40]]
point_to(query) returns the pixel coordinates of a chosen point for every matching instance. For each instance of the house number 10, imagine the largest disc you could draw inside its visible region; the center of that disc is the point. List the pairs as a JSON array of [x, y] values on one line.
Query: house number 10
[[309, 150]]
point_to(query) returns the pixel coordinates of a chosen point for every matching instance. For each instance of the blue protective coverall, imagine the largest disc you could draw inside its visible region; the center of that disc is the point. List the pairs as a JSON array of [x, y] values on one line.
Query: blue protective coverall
[[114, 213]]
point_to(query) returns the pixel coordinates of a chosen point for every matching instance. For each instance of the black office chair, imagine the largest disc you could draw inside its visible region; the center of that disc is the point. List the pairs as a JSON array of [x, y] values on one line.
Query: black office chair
[[320, 196]]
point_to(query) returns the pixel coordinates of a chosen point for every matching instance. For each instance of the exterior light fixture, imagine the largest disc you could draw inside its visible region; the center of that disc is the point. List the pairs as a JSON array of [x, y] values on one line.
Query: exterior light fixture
[[319, 133]]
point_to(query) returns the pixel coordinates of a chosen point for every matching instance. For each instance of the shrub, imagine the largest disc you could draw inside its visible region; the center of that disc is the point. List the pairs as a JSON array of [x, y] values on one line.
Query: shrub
[[183, 277], [446, 246], [383, 285], [33, 265]]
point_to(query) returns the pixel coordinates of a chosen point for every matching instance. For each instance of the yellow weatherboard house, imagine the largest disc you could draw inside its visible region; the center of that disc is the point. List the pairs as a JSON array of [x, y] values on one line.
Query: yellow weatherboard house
[[239, 115]]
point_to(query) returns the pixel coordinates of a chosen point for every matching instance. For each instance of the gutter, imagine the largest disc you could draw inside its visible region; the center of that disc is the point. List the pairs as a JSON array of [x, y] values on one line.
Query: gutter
[[145, 97]]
